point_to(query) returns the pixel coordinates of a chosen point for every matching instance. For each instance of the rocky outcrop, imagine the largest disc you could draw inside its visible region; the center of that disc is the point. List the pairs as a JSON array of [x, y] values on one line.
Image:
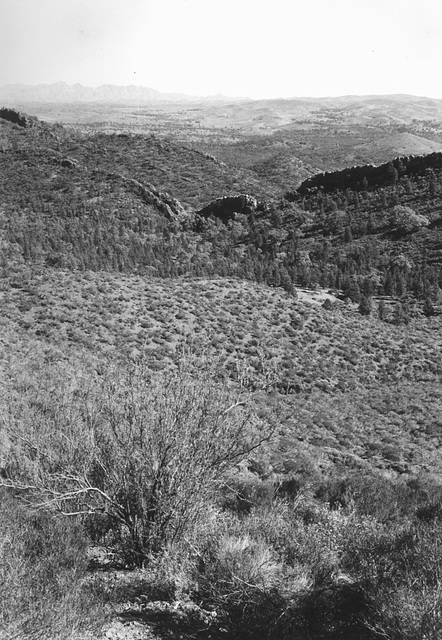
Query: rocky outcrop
[[161, 200], [18, 118], [226, 208]]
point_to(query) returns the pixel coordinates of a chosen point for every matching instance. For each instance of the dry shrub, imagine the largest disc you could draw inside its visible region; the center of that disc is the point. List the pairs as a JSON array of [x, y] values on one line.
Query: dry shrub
[[399, 570], [44, 590], [146, 452], [276, 574], [238, 578], [244, 491]]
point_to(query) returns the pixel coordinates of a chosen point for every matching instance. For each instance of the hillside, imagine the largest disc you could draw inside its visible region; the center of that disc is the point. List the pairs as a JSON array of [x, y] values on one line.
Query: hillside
[[67, 213], [273, 113], [287, 140], [399, 144], [191, 176], [116, 202], [221, 407], [350, 378]]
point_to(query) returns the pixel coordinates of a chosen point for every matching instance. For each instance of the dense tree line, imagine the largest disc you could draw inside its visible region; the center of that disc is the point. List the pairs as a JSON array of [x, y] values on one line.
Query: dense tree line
[[369, 176]]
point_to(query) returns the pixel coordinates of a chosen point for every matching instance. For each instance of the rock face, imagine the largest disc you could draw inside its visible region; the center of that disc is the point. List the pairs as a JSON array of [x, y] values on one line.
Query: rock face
[[226, 208], [168, 205], [16, 117]]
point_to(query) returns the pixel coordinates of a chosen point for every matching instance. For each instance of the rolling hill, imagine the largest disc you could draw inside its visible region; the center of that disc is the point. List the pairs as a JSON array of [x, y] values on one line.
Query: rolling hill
[[399, 144], [365, 393], [230, 399], [273, 145], [84, 246]]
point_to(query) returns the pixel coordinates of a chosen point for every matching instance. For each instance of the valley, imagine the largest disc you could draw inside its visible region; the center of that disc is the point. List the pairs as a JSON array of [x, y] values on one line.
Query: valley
[[221, 354], [287, 139]]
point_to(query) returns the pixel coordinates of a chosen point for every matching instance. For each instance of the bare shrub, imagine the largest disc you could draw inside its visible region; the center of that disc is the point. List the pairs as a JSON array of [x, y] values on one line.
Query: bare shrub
[[147, 452]]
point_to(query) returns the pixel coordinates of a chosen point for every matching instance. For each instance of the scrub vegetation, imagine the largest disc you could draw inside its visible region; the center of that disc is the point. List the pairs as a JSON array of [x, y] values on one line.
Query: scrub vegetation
[[216, 423]]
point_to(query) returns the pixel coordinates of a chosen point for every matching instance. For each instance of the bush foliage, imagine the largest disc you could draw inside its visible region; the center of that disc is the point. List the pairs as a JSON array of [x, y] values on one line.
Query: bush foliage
[[143, 452], [159, 466], [44, 591]]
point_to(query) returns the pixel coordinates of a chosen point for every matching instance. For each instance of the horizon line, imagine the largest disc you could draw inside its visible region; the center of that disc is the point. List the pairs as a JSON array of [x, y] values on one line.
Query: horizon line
[[215, 95]]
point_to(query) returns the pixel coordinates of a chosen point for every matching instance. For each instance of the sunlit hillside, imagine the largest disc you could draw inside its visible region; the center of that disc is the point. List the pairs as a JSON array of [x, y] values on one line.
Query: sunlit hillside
[[221, 406]]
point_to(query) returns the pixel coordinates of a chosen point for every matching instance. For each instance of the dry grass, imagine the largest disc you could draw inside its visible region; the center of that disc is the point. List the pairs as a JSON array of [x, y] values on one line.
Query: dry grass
[[45, 591], [361, 391]]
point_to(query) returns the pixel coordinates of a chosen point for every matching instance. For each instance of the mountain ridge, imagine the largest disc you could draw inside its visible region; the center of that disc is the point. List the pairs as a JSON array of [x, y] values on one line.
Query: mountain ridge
[[63, 92]]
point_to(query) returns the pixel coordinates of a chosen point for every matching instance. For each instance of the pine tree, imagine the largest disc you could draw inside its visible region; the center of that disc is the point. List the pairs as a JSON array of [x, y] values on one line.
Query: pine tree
[[406, 311], [348, 236], [286, 281], [368, 287], [400, 314], [353, 292], [365, 305], [408, 187], [428, 308], [382, 310], [392, 175], [389, 285]]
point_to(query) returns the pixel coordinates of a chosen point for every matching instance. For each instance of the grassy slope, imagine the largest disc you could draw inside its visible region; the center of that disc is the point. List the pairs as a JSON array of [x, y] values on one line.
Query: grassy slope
[[193, 177], [363, 392]]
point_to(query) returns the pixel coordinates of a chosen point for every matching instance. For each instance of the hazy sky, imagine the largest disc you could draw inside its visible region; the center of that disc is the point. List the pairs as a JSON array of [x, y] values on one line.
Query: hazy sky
[[250, 48]]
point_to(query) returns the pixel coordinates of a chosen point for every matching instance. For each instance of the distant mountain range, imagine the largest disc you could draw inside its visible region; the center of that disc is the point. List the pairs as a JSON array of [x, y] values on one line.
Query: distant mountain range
[[62, 92], [400, 108]]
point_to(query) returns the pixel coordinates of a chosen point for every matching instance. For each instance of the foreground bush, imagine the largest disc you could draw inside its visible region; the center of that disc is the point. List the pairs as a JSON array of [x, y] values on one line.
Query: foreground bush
[[306, 570], [274, 574], [140, 455], [399, 571], [44, 591], [148, 463]]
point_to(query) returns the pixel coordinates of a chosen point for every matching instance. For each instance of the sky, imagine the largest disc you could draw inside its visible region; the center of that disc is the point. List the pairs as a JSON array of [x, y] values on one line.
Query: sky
[[254, 48]]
